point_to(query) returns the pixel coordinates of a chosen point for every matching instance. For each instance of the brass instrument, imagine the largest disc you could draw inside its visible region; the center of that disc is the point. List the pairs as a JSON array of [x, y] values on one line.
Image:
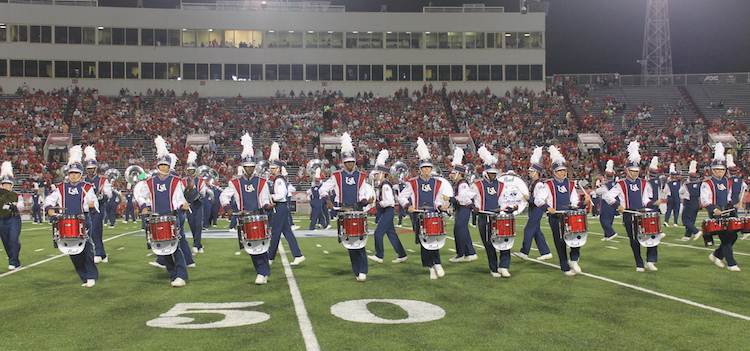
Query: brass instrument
[[132, 173], [400, 170], [208, 174], [112, 175], [261, 168], [312, 166]]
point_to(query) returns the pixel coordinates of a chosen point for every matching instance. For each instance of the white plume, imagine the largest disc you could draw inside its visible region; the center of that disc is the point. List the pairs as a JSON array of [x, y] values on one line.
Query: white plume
[[240, 170], [346, 144], [172, 160], [317, 173], [6, 169], [247, 146], [719, 152], [422, 150], [458, 157], [192, 157], [536, 155], [554, 155], [274, 152], [693, 167], [654, 163], [486, 156], [283, 171], [634, 155], [382, 157], [161, 147], [610, 167], [75, 155], [672, 168], [90, 153], [730, 161]]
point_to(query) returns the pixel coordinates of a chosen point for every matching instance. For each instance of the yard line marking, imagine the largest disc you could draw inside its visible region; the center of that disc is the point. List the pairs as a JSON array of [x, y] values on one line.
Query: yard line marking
[[652, 292], [56, 257], [305, 325]]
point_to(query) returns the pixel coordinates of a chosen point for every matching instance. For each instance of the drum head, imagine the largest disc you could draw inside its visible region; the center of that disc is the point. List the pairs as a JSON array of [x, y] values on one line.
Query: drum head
[[514, 189], [164, 247], [432, 242], [71, 246], [256, 247], [353, 242], [649, 240], [502, 243], [576, 239]]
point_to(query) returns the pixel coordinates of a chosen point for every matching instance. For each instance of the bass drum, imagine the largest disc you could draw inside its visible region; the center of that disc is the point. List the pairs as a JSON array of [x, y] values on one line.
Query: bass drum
[[514, 189]]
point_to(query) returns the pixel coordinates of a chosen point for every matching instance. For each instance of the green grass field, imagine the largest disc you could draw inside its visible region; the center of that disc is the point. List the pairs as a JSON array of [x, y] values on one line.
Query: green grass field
[[689, 304]]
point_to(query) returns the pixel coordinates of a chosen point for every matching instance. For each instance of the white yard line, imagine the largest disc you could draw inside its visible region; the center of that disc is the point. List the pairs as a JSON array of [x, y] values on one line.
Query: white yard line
[[305, 325]]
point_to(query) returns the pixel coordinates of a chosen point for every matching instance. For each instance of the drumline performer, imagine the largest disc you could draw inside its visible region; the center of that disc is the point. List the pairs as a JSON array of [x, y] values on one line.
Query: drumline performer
[[716, 197], [353, 194], [317, 215], [426, 192], [557, 195], [606, 212], [280, 223], [195, 190], [655, 181], [385, 206], [672, 189], [76, 196], [634, 194], [487, 195], [533, 231], [11, 206], [103, 190], [36, 207], [690, 193], [739, 187], [164, 195], [462, 203], [251, 194]]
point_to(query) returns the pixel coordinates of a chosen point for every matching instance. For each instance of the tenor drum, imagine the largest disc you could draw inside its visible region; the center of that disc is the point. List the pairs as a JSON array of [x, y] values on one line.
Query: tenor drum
[[711, 226], [503, 231], [649, 229], [162, 234], [734, 223], [576, 228], [254, 234], [69, 233], [432, 230], [746, 224], [353, 229]]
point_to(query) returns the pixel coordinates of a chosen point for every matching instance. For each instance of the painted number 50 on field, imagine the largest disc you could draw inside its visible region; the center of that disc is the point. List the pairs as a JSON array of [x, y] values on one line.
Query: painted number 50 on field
[[234, 316]]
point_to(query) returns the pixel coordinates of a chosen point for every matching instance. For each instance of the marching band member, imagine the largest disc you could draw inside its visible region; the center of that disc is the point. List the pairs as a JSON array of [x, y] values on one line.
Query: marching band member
[[11, 206], [103, 190], [195, 190], [353, 193], [655, 182], [634, 194], [76, 196], [129, 207], [252, 194], [716, 197], [36, 208], [690, 193], [673, 199], [607, 212], [426, 192], [317, 215], [533, 231], [164, 195], [487, 195], [559, 194], [385, 206], [280, 223], [462, 204], [111, 207], [739, 188]]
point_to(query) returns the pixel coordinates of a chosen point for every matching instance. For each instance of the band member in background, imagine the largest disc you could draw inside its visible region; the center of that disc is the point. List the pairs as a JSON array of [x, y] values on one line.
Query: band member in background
[[487, 195], [11, 206], [690, 193], [634, 194], [533, 230], [558, 195], [672, 189], [103, 191], [385, 206], [280, 223], [738, 184], [252, 194], [129, 207], [426, 192], [401, 210], [317, 215], [111, 207], [36, 208], [195, 190], [716, 197], [654, 181], [607, 212], [462, 204], [164, 195], [77, 197], [353, 194]]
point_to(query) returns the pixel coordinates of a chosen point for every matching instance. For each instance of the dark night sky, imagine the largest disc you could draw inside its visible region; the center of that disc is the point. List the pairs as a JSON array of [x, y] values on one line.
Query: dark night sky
[[595, 36]]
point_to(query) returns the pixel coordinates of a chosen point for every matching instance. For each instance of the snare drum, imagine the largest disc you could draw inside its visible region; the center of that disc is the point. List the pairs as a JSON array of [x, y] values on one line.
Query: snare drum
[[503, 231], [70, 226], [162, 228], [354, 223], [734, 223], [576, 221], [432, 223], [712, 225], [254, 227], [746, 224], [650, 223]]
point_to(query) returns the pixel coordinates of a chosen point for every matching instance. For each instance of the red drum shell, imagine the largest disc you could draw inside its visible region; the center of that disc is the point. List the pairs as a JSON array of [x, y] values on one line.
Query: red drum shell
[[650, 223], [255, 229], [746, 226], [432, 224], [576, 221], [354, 223], [163, 229], [505, 225], [711, 225], [734, 223], [71, 227]]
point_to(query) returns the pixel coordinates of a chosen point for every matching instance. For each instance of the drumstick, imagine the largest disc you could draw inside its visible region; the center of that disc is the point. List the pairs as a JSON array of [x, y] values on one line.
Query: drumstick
[[632, 212], [488, 213], [727, 211]]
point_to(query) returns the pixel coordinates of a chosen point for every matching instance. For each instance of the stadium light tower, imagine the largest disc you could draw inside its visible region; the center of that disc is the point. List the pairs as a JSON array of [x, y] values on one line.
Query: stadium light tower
[[657, 51]]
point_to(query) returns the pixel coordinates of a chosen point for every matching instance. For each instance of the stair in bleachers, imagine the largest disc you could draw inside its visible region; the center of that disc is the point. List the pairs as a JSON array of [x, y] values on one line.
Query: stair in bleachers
[[732, 96]]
